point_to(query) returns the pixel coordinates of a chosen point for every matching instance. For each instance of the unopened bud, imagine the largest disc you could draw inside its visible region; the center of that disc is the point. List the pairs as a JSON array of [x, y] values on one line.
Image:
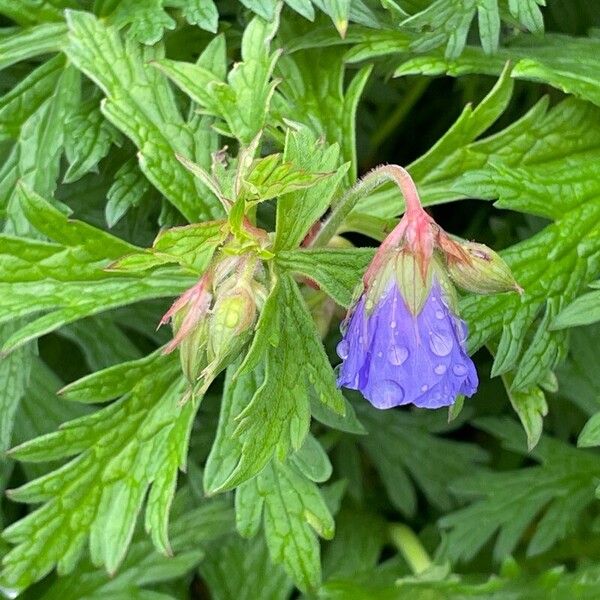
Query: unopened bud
[[481, 271], [233, 315]]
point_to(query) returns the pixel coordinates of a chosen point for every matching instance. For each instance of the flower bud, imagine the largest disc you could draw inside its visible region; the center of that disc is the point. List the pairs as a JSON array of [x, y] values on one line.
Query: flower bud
[[213, 320], [481, 270], [233, 314]]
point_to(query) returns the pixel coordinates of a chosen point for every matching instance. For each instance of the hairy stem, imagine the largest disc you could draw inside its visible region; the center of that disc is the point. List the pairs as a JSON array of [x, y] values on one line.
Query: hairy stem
[[372, 180]]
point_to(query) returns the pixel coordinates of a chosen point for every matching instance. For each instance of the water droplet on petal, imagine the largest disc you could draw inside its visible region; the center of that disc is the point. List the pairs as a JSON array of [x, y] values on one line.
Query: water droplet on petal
[[439, 314], [460, 329], [439, 369], [397, 355], [379, 354], [387, 393], [459, 370], [393, 324], [343, 348], [424, 388], [440, 343], [361, 339]]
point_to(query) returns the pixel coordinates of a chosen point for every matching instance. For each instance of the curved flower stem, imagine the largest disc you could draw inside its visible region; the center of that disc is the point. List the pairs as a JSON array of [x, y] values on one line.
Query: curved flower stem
[[368, 183], [405, 539]]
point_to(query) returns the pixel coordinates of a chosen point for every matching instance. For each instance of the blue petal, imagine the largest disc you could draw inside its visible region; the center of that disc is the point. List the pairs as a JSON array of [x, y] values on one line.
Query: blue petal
[[394, 357]]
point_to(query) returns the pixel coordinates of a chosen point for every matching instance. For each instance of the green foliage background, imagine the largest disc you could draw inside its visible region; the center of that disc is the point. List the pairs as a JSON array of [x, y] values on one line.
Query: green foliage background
[[113, 115]]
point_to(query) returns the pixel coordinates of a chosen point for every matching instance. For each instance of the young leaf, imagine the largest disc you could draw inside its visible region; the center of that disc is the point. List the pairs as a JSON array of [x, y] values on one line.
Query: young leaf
[[298, 211], [269, 177]]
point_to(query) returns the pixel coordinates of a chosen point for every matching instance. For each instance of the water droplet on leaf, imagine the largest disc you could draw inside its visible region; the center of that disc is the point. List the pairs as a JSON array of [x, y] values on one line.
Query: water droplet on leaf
[[439, 369]]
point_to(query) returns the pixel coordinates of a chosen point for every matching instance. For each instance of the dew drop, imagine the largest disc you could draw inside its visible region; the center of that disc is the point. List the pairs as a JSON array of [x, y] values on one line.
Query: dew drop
[[440, 369], [424, 388], [343, 349], [361, 339], [440, 343], [439, 314], [459, 370], [379, 354], [397, 355], [393, 324], [387, 393]]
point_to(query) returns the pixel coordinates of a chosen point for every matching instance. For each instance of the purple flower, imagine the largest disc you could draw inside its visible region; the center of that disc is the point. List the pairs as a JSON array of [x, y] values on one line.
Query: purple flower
[[395, 357]]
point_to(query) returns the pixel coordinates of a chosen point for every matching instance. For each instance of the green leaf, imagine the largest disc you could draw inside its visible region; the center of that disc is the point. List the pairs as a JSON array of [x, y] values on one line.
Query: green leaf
[[190, 246], [77, 286], [158, 130], [312, 460], [531, 407], [275, 419], [269, 177], [14, 376], [298, 211], [137, 442], [192, 531], [447, 22], [339, 11], [25, 98], [31, 12], [317, 99], [337, 272], [582, 311], [293, 507], [126, 192], [553, 494], [32, 41], [263, 8], [579, 375], [147, 20], [88, 140], [400, 444], [203, 13], [590, 434], [565, 62], [242, 569]]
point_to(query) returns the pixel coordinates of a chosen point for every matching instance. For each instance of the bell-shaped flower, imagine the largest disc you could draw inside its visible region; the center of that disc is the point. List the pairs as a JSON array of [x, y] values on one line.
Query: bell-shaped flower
[[403, 341]]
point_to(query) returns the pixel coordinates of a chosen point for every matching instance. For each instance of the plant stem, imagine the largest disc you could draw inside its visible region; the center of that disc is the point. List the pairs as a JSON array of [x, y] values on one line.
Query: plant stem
[[405, 539], [364, 186]]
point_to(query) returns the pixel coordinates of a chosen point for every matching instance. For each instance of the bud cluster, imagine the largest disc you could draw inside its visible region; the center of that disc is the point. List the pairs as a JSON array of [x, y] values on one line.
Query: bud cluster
[[213, 319]]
